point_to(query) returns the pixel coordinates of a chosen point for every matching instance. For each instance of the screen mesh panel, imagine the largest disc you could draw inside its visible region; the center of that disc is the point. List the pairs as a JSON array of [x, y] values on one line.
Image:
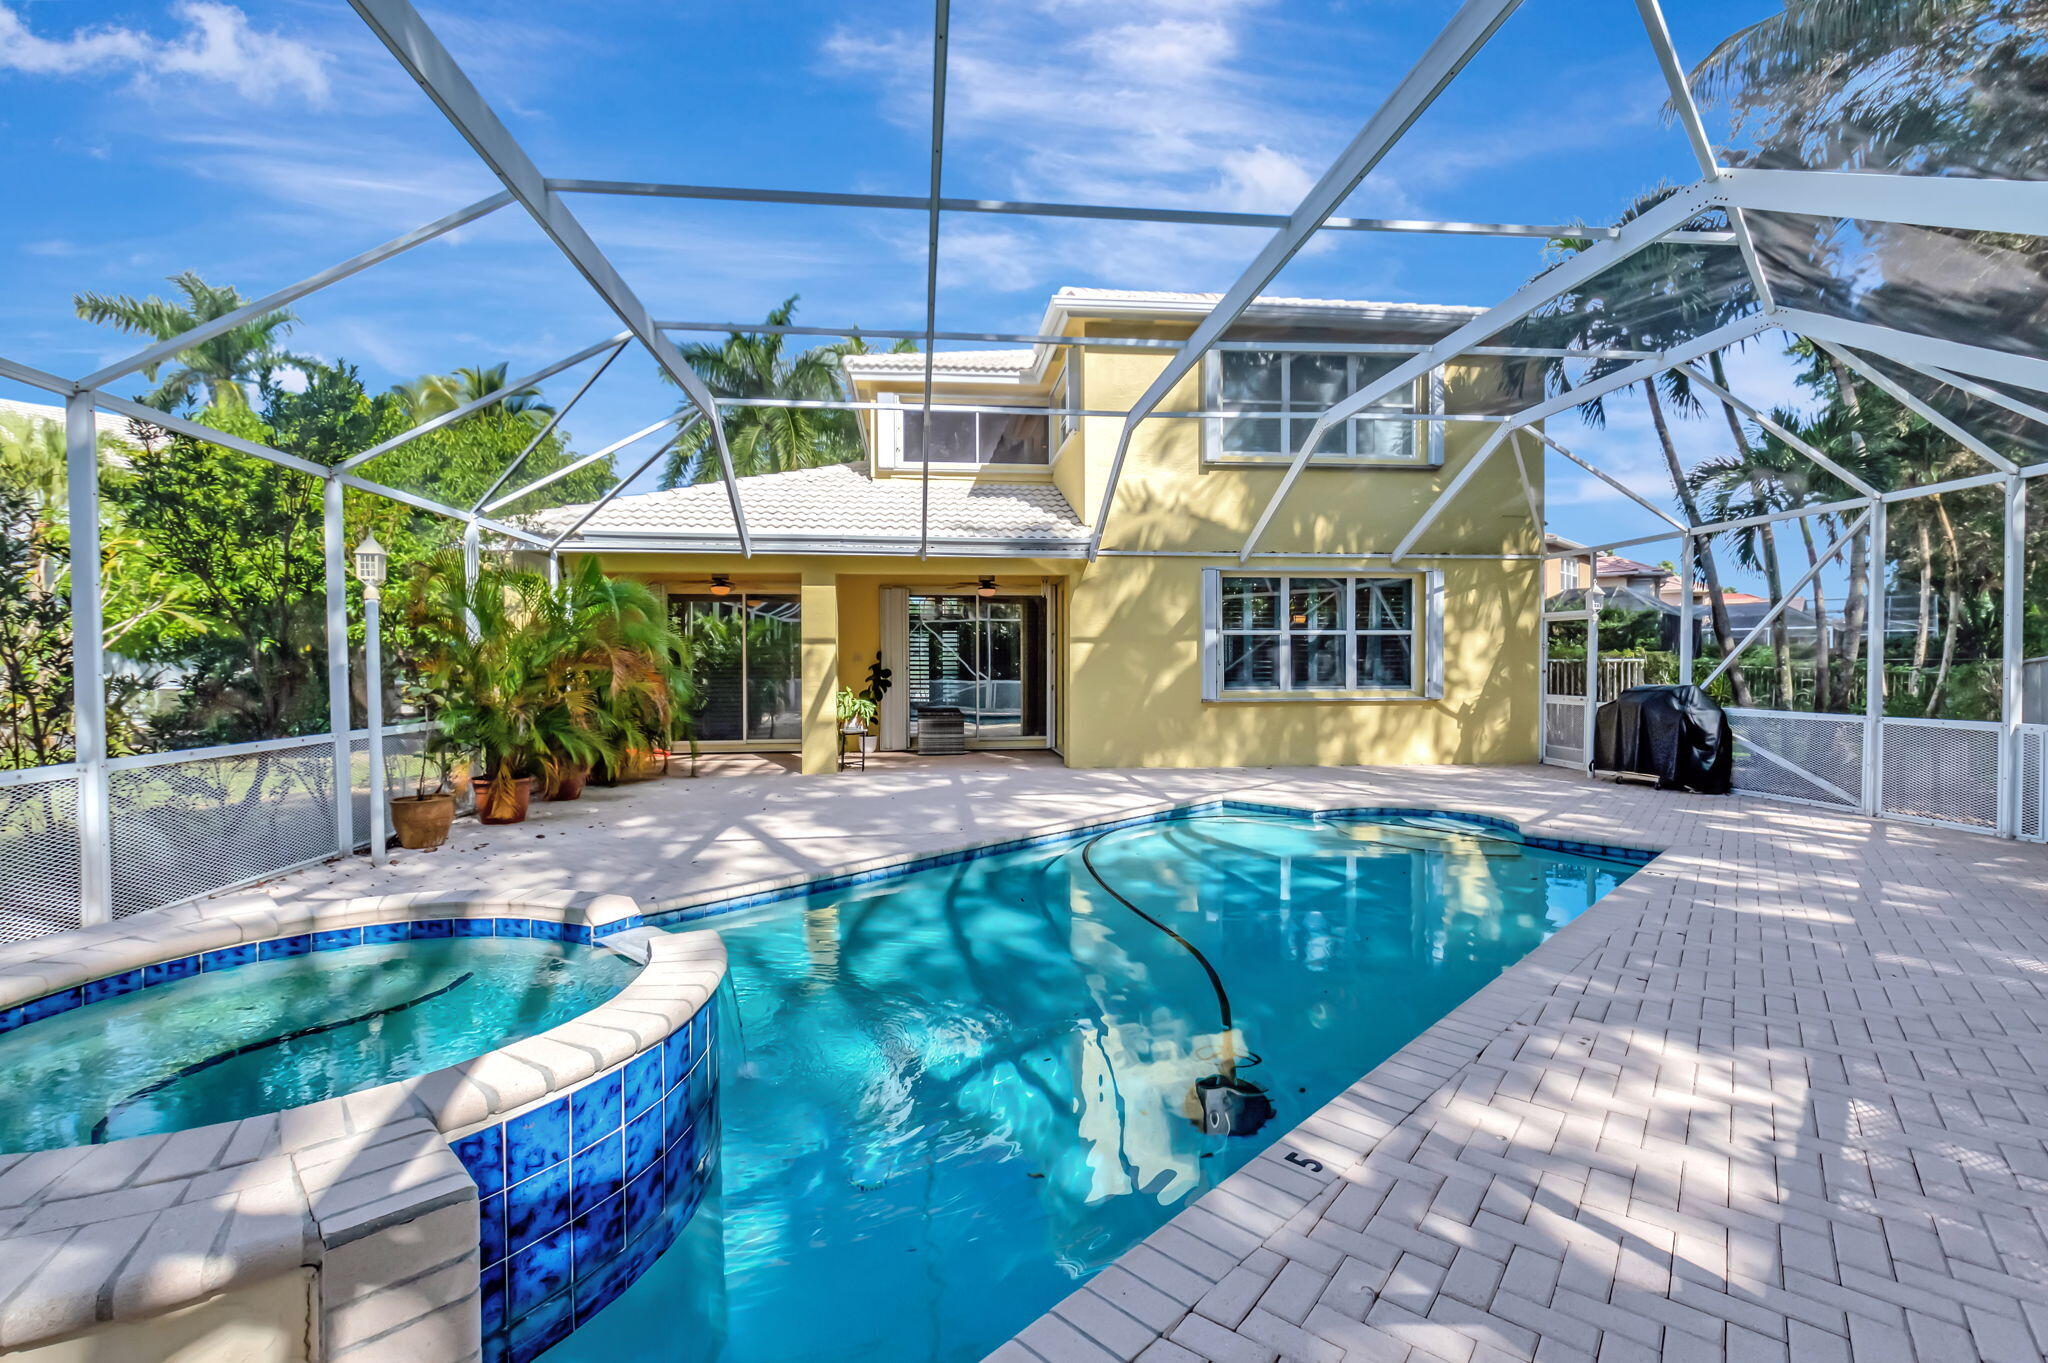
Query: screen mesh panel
[[1788, 755], [185, 828], [1943, 771], [38, 858], [2033, 776]]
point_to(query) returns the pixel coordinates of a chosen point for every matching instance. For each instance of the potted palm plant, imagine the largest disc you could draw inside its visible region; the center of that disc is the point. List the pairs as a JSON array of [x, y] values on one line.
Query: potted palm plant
[[507, 687]]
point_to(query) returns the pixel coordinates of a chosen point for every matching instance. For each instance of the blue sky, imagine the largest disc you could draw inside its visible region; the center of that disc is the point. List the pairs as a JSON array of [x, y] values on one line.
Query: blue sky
[[259, 143]]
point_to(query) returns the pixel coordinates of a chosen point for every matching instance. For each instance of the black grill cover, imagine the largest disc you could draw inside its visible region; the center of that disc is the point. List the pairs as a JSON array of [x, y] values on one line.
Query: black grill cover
[[1674, 733]]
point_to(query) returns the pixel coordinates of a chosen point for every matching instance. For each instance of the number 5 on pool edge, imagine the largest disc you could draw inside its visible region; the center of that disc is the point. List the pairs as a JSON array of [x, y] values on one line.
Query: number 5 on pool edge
[[1313, 1166]]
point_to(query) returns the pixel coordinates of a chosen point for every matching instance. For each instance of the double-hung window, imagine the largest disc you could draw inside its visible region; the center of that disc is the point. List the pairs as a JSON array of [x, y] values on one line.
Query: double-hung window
[[1296, 387], [1273, 636]]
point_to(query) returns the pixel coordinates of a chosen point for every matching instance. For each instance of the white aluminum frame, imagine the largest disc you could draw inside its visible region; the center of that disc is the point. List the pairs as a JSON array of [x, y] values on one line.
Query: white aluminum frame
[[1927, 201]]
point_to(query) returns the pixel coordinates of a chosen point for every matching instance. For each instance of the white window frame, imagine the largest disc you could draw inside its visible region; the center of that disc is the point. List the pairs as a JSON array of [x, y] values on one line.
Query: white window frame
[[1568, 570], [1427, 651], [1066, 404], [1427, 396], [890, 428]]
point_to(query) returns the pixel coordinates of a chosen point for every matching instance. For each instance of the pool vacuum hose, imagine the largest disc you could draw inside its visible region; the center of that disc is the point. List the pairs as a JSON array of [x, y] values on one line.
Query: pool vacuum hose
[[1230, 1106]]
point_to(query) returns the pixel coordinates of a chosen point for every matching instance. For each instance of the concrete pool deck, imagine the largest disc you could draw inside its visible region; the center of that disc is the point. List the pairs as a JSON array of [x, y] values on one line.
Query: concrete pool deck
[[1784, 1094]]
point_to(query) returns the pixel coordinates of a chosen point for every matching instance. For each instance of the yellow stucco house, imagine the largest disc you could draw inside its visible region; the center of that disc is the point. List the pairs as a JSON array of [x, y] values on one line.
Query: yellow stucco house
[[1161, 649]]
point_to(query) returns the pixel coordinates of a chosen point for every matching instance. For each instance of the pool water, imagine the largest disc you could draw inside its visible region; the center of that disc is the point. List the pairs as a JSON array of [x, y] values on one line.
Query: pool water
[[263, 1037], [951, 1097]]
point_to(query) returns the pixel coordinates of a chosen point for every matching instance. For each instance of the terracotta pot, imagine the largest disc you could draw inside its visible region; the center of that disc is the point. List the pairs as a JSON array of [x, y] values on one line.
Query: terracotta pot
[[567, 786], [421, 821], [499, 803]]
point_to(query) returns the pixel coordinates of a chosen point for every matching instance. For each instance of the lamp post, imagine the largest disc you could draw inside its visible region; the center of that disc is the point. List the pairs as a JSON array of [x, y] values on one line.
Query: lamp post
[[371, 561]]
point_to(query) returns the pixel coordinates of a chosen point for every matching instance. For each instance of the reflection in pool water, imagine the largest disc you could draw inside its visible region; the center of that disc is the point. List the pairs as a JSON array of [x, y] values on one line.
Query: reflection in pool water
[[952, 1096]]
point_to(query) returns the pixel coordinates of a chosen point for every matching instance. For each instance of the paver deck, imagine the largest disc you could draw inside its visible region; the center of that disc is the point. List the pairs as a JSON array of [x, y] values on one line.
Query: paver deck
[[1784, 1095]]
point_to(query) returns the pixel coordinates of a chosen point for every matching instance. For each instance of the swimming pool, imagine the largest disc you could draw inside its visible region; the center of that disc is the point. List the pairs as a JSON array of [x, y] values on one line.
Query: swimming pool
[[262, 1035], [949, 1097]]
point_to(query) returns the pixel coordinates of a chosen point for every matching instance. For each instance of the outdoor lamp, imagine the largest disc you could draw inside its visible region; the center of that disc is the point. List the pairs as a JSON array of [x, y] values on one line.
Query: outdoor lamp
[[371, 562], [721, 585], [987, 587], [1596, 597]]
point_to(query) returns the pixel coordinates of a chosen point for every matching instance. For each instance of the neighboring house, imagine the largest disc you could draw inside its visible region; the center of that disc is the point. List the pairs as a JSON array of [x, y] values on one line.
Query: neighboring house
[[1611, 571], [1162, 650]]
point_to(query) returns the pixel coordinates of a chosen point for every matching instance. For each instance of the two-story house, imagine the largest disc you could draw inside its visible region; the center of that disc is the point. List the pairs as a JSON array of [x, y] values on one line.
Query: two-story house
[[1162, 648]]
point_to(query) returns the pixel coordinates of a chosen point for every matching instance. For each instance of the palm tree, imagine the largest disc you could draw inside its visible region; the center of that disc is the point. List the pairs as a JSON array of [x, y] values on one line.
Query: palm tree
[[770, 439], [431, 395], [218, 368], [1654, 299], [1924, 86]]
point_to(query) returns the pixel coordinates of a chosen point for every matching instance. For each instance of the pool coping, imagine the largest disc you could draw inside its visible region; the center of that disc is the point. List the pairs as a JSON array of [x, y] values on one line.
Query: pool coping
[[691, 909], [130, 1229]]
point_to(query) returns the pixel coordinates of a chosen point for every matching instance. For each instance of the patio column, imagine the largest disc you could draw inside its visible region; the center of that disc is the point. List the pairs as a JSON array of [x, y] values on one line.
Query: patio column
[[818, 601], [88, 662]]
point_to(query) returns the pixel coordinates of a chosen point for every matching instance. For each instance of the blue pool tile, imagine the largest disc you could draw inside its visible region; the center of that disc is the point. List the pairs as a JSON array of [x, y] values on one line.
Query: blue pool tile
[[386, 932], [483, 1154], [514, 927], [645, 1140], [228, 957], [599, 1234], [538, 1272], [536, 1139], [537, 1207], [490, 1229], [475, 927], [643, 1081], [491, 1286], [597, 1108], [537, 1331], [601, 1288], [113, 986], [11, 1018], [598, 1173], [49, 1005], [333, 939], [433, 927], [277, 948], [675, 1050], [163, 972], [645, 1197], [676, 1116]]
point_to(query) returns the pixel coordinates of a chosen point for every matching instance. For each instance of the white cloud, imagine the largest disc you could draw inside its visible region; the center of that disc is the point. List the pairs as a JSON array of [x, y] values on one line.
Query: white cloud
[[217, 45], [1153, 101]]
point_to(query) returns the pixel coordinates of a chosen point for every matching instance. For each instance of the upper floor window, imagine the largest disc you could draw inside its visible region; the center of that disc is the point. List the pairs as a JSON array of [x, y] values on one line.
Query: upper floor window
[[1066, 400], [964, 439], [1571, 573], [1297, 387]]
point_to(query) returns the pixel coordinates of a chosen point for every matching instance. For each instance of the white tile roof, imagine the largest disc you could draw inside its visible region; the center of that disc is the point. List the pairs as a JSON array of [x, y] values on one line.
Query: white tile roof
[[840, 503], [109, 423], [1075, 292], [980, 361]]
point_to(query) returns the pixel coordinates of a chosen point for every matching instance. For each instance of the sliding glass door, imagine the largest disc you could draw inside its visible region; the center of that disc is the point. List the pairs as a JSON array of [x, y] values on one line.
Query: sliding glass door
[[986, 657], [747, 666]]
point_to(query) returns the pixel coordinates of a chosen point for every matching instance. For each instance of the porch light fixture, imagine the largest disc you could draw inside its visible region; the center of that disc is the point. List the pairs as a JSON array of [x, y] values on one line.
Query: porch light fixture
[[721, 585], [371, 562], [987, 587]]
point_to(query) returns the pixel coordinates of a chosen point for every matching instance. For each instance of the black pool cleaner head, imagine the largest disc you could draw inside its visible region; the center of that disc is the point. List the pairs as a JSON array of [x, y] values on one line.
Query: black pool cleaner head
[[1232, 1106]]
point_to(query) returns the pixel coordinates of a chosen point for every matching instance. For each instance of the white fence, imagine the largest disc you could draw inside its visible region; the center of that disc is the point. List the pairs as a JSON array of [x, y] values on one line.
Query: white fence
[[185, 824]]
